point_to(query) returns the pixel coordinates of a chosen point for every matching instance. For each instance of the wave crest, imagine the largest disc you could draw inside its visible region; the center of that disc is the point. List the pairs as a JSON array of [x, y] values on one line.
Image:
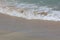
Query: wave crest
[[31, 11]]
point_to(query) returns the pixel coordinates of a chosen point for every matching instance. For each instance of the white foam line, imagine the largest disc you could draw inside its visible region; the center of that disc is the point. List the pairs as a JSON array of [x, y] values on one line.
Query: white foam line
[[27, 11]]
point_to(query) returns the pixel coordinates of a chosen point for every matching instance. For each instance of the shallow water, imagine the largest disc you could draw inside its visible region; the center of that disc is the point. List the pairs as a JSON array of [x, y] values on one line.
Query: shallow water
[[21, 8]]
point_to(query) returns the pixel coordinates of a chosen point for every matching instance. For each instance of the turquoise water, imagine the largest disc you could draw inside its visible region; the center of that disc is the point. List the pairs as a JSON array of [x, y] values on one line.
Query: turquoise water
[[50, 3], [41, 2]]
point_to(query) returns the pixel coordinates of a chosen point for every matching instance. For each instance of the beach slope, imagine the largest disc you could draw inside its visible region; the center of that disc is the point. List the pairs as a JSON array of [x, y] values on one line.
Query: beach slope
[[14, 28]]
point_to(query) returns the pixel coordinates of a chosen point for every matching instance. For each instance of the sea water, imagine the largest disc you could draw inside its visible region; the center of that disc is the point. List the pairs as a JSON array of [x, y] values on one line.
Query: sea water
[[32, 9]]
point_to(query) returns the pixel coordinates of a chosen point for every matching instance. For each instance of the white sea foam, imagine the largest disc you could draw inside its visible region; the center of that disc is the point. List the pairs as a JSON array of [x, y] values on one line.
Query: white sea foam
[[31, 11]]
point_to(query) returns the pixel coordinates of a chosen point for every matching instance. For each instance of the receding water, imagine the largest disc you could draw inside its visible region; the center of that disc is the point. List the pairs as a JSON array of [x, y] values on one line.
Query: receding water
[[32, 9]]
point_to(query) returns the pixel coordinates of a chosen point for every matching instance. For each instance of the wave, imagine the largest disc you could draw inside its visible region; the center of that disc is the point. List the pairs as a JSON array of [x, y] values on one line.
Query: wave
[[31, 11]]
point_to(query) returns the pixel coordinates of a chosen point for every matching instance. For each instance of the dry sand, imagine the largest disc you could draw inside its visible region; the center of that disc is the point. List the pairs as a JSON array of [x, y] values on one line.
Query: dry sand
[[13, 28]]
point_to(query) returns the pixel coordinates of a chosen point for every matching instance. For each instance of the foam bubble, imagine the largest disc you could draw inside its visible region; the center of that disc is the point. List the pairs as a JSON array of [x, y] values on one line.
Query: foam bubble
[[31, 11]]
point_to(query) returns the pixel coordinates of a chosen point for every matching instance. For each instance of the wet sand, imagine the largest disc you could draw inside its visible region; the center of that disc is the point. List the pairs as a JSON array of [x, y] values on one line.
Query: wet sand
[[13, 28]]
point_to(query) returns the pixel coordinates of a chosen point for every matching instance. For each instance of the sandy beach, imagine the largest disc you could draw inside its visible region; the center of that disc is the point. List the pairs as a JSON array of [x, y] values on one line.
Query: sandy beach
[[14, 28]]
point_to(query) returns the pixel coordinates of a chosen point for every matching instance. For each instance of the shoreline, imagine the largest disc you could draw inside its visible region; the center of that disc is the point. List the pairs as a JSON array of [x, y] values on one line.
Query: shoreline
[[22, 29]]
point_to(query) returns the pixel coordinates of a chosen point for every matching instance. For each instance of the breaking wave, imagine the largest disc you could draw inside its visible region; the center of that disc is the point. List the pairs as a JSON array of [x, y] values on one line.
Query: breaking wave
[[31, 11]]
